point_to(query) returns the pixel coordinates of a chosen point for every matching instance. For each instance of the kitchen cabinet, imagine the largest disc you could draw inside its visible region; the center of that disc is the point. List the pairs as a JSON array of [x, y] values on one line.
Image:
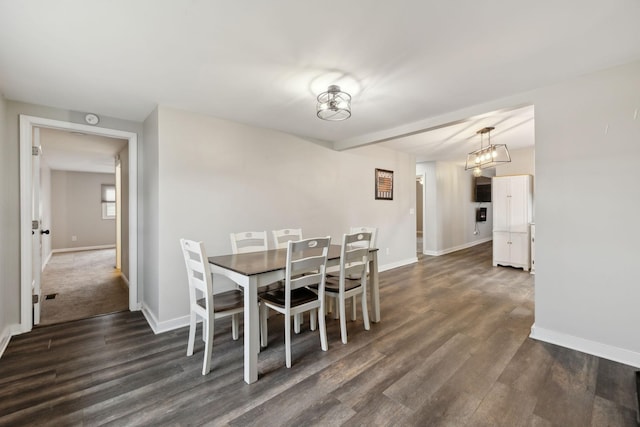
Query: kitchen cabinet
[[512, 199]]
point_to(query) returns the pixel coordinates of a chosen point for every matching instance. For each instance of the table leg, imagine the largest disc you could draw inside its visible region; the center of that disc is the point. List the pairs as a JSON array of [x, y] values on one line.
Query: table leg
[[375, 289], [251, 331]]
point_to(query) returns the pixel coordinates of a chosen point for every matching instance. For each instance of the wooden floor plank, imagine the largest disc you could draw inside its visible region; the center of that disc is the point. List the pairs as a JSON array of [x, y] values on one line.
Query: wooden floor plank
[[421, 382]]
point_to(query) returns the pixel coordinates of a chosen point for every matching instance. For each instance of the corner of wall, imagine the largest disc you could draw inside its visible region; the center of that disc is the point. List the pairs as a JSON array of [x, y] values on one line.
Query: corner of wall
[[159, 327]]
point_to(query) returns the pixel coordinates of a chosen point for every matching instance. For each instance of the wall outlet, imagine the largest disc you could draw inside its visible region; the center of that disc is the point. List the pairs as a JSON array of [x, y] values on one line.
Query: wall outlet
[[74, 238]]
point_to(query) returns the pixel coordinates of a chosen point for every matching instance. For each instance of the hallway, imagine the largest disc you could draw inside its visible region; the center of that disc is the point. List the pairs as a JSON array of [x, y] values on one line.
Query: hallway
[[84, 283]]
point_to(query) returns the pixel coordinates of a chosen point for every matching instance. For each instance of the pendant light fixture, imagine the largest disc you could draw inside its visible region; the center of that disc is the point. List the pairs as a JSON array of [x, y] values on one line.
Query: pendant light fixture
[[487, 157], [334, 105]]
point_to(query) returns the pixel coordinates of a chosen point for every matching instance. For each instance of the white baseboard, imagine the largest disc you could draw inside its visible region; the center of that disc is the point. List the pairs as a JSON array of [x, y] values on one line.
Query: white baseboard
[[5, 337], [83, 248], [46, 261], [458, 248], [397, 264], [594, 348], [165, 326]]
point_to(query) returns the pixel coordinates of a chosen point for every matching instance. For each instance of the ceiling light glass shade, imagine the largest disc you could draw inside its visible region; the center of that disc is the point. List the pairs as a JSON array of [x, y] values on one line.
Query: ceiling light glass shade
[[333, 104], [487, 157]]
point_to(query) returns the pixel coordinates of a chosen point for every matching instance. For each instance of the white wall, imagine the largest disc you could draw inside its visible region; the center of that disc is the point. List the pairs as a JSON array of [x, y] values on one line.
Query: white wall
[[77, 210], [5, 212], [522, 163], [216, 177], [149, 292], [587, 205], [450, 212]]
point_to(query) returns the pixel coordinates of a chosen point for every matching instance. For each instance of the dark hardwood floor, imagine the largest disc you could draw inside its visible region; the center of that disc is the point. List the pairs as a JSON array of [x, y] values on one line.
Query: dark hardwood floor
[[452, 349]]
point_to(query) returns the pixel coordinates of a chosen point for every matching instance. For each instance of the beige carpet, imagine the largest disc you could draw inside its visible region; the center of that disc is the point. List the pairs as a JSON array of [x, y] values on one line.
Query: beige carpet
[[86, 284]]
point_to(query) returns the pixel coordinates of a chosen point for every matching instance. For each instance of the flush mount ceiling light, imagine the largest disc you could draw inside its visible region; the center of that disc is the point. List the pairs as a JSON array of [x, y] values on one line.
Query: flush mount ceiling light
[[333, 104], [487, 157]]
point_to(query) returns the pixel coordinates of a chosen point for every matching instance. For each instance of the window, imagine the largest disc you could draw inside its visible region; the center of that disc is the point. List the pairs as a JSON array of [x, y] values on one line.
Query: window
[[108, 201]]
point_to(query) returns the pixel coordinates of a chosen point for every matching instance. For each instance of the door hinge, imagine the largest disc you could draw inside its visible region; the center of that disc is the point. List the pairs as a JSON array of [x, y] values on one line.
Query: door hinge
[[35, 224], [36, 150]]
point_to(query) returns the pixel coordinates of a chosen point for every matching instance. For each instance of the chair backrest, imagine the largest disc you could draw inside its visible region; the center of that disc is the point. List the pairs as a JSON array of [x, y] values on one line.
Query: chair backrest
[[198, 272], [354, 255], [281, 237], [372, 230], [306, 263], [248, 241]]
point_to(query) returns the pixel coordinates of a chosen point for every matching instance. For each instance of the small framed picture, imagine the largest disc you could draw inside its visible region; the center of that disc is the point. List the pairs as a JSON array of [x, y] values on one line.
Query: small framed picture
[[384, 184]]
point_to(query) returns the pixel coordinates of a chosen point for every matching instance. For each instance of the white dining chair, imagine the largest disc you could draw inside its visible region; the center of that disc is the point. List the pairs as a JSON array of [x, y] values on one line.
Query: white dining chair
[[204, 304], [281, 237], [256, 241], [335, 271], [248, 241], [365, 229], [305, 266], [351, 280]]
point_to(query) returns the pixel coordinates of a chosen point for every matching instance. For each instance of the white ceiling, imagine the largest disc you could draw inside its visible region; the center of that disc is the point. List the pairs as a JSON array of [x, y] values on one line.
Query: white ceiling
[[452, 142], [72, 151], [263, 62]]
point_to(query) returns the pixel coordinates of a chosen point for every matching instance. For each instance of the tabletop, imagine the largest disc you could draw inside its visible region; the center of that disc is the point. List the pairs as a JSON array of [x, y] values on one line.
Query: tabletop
[[251, 263]]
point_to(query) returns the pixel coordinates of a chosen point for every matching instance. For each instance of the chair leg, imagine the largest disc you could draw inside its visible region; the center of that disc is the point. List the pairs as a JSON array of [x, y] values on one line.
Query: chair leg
[[297, 321], [336, 309], [323, 331], [264, 330], [208, 345], [365, 309], [312, 320], [235, 321], [192, 334], [343, 321], [287, 339], [353, 308]]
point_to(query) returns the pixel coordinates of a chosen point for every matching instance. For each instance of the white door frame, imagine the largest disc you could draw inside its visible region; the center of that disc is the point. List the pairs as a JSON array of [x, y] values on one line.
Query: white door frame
[[423, 176], [36, 238], [27, 124]]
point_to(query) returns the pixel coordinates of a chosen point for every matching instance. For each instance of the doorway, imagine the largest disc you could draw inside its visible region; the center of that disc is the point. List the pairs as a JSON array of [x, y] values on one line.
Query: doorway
[[28, 126], [79, 183]]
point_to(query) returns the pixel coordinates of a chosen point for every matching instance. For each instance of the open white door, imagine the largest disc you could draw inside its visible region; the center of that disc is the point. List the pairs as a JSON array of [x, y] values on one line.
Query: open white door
[[36, 227]]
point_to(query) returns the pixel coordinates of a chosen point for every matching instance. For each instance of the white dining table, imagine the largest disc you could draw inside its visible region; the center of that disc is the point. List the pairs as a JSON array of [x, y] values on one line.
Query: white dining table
[[254, 270]]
